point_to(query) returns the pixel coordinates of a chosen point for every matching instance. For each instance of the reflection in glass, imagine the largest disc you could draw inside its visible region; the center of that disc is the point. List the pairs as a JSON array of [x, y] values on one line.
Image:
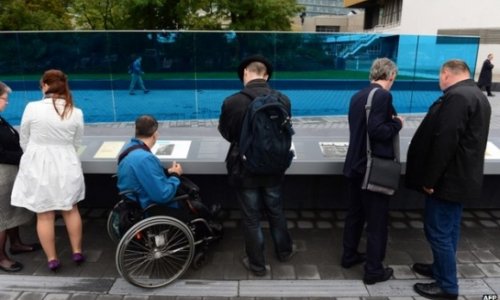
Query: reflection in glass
[[190, 73]]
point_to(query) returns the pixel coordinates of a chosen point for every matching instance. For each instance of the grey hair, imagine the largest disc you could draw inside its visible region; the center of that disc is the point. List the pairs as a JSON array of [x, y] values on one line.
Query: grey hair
[[4, 88], [382, 69]]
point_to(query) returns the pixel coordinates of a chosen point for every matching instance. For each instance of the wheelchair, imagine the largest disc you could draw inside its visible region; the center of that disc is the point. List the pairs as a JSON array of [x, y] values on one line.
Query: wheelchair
[[154, 250]]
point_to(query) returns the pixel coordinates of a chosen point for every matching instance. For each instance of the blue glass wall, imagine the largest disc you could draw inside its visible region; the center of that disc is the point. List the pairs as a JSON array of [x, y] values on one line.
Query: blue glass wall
[[190, 73]]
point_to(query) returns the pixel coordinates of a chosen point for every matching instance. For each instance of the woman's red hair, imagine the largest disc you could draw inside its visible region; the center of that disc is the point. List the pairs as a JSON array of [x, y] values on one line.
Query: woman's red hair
[[58, 88]]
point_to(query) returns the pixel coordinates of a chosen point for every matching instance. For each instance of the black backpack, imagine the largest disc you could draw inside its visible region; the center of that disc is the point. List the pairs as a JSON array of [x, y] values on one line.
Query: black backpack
[[266, 135]]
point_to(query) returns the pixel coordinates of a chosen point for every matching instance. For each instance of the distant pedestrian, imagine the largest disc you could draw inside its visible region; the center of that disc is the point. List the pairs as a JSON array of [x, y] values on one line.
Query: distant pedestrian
[[50, 176], [135, 71], [367, 207], [486, 75], [445, 162]]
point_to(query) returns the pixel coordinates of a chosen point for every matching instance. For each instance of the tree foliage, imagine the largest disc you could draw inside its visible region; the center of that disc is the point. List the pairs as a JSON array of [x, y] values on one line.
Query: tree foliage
[[147, 14], [261, 14], [98, 14], [34, 15]]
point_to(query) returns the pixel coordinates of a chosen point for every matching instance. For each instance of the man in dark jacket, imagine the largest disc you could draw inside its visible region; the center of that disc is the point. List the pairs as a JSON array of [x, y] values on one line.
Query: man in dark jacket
[[254, 191], [445, 162], [486, 75], [366, 206]]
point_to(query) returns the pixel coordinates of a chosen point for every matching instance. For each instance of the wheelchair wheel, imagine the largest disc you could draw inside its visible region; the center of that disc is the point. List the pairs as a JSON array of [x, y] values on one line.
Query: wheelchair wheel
[[155, 252], [112, 226], [199, 260]]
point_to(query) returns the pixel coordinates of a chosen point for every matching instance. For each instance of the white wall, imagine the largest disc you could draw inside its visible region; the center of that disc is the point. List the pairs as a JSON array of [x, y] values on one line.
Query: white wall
[[426, 17]]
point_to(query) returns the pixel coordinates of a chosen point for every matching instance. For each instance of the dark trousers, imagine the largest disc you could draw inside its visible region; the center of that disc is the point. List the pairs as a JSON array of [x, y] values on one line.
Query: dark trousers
[[252, 202], [185, 212], [487, 88], [370, 208]]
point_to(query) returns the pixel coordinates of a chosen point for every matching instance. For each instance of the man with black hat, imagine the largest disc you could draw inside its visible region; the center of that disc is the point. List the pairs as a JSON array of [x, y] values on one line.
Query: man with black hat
[[254, 192]]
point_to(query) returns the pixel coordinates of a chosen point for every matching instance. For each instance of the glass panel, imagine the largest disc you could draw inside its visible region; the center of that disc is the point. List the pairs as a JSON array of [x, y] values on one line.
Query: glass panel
[[189, 74]]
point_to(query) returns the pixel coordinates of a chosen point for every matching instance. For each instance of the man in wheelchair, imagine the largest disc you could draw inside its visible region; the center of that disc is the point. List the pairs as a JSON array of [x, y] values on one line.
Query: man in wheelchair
[[158, 191]]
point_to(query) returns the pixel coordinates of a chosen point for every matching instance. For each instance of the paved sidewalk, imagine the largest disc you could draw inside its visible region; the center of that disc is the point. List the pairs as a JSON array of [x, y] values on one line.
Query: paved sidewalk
[[315, 272]]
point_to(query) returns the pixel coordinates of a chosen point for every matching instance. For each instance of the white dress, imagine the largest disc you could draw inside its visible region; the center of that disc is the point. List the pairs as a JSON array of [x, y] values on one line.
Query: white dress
[[50, 174]]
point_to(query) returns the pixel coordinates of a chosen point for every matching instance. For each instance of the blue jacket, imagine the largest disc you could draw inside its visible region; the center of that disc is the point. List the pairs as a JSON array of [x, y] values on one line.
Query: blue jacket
[[382, 128], [142, 172], [135, 67]]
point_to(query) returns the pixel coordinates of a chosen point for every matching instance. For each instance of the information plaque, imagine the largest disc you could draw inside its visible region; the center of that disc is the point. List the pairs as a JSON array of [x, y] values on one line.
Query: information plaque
[[171, 149], [334, 149]]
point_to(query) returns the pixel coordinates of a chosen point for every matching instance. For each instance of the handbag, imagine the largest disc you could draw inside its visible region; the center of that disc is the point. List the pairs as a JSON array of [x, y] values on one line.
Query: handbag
[[382, 175]]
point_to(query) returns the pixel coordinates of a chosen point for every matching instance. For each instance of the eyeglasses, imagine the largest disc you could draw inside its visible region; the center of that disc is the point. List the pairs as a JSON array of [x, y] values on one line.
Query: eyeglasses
[[3, 98]]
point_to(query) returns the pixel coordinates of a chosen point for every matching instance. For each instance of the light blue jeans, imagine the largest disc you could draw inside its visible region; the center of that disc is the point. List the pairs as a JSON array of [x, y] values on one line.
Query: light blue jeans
[[136, 79]]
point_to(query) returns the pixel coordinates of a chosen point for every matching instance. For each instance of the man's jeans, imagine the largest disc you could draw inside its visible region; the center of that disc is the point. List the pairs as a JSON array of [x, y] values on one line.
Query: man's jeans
[[136, 78], [442, 229], [252, 201]]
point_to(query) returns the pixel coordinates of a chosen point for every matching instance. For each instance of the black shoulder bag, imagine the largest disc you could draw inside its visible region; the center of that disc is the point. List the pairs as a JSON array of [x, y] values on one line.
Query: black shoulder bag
[[382, 175]]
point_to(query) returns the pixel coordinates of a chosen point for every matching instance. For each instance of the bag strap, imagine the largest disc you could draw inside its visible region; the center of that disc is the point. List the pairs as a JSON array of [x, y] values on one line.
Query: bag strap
[[395, 140], [130, 149]]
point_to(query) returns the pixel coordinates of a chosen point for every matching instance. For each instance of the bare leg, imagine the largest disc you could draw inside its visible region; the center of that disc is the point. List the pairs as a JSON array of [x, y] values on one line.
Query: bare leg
[[73, 223], [46, 233]]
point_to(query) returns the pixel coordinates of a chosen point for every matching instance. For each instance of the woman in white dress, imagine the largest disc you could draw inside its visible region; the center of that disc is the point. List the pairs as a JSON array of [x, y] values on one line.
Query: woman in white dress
[[50, 176]]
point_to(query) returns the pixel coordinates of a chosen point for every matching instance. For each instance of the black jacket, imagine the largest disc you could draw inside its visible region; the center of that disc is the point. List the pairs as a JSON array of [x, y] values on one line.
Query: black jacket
[[382, 128], [447, 151], [485, 76], [231, 118], [10, 150]]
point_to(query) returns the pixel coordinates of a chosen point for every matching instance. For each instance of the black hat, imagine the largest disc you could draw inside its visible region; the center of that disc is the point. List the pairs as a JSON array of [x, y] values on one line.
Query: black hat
[[244, 63]]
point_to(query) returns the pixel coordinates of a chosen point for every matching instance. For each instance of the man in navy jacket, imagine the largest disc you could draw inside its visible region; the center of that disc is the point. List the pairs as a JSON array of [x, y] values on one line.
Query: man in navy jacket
[[366, 206]]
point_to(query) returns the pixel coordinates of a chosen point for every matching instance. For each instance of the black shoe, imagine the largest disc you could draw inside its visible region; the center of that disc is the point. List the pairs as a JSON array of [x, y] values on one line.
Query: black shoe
[[491, 95], [358, 259], [290, 255], [379, 278], [422, 269], [146, 91], [15, 267], [246, 264], [215, 209], [432, 291], [216, 226], [218, 213]]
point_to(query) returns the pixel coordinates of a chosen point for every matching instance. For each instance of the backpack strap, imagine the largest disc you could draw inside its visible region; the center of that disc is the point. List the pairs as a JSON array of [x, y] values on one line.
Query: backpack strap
[[130, 149]]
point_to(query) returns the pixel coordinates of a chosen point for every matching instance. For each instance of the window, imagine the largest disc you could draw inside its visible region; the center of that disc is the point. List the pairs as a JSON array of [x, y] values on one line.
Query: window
[[390, 13], [327, 28]]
